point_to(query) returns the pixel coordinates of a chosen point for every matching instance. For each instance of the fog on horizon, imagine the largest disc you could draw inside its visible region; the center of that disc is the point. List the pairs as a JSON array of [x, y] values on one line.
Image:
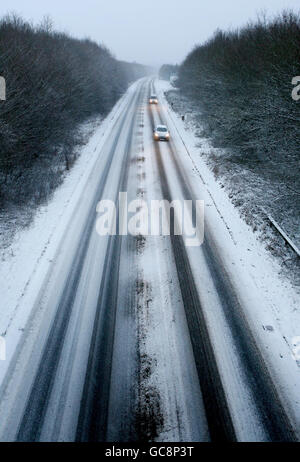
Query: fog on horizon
[[154, 32]]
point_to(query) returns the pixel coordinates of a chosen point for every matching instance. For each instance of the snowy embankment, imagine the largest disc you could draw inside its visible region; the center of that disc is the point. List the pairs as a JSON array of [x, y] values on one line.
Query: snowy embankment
[[262, 192], [26, 262], [270, 301]]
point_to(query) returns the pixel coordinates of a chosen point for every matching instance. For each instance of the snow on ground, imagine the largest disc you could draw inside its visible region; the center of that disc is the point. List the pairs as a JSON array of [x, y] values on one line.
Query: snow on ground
[[25, 263], [271, 302]]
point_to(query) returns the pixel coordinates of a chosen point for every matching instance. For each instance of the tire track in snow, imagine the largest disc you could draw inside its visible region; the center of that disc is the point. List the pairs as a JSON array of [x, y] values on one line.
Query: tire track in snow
[[32, 421], [92, 422]]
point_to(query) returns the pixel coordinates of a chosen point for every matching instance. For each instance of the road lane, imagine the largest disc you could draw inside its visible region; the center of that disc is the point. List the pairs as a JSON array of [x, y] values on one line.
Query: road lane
[[155, 391]]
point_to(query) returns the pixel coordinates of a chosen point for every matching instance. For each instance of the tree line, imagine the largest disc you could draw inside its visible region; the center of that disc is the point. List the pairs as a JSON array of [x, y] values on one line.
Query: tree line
[[240, 86], [54, 83], [241, 82]]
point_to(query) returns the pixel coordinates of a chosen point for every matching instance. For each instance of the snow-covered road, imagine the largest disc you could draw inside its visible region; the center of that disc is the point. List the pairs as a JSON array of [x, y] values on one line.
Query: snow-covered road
[[142, 338]]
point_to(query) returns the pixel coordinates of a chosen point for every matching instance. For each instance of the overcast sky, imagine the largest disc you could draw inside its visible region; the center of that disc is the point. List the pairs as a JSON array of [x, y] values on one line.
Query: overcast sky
[[147, 31]]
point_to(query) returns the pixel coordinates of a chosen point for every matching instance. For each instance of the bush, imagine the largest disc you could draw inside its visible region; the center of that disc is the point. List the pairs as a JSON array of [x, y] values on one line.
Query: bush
[[239, 86]]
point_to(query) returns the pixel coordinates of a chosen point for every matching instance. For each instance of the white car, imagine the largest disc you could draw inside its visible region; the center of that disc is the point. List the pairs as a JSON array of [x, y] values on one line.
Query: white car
[[153, 99], [161, 133]]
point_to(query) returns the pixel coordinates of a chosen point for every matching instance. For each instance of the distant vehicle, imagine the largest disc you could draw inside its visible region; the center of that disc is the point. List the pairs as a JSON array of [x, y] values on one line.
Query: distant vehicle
[[153, 99], [161, 133]]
